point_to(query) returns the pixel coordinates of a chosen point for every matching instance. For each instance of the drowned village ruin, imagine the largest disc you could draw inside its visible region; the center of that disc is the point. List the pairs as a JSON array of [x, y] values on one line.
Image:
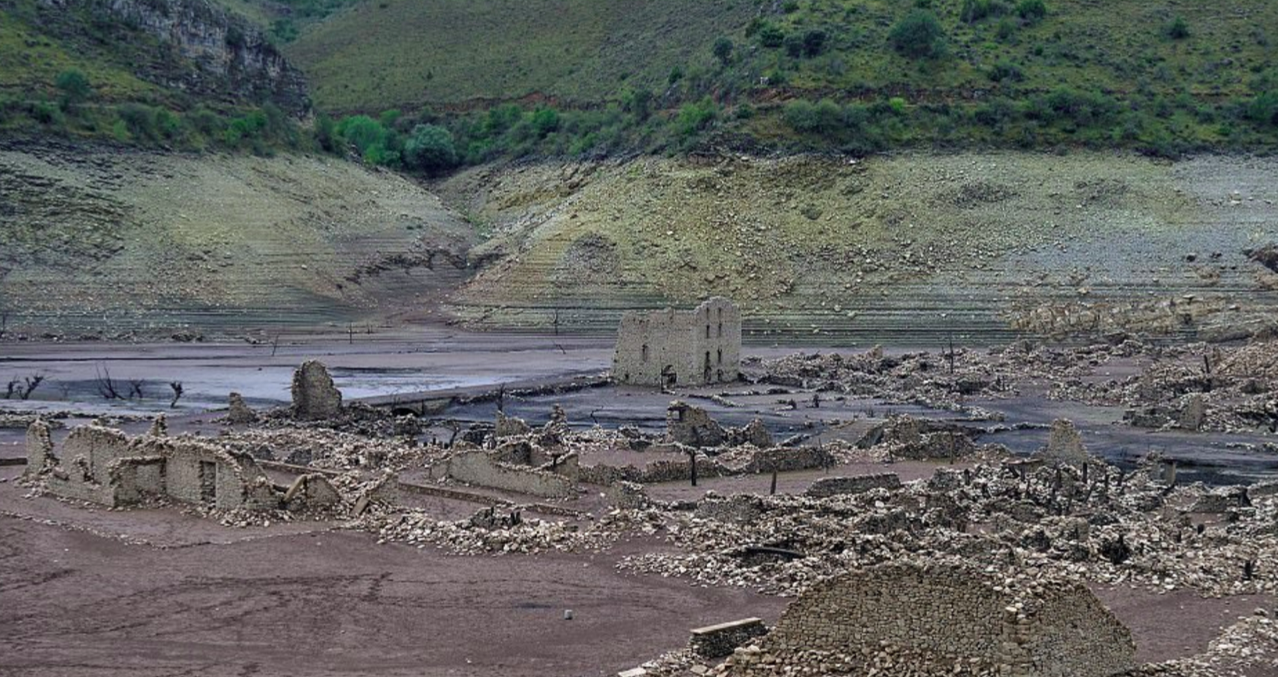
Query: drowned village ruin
[[867, 513], [671, 347]]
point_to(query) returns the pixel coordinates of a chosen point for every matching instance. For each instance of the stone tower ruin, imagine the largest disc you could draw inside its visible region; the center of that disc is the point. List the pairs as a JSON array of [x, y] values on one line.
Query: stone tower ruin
[[688, 347]]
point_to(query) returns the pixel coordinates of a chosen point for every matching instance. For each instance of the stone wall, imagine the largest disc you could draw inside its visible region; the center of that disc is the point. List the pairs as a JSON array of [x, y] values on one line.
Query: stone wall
[[932, 617], [838, 486], [784, 459], [314, 395], [717, 641], [679, 347], [481, 469]]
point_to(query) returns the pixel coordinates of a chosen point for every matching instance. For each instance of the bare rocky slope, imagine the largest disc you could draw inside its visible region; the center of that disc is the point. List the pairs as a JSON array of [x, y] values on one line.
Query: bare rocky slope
[[909, 247], [920, 247], [108, 242]]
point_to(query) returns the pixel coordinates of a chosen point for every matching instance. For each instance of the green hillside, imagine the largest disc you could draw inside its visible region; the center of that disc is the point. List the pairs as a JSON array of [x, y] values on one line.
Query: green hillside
[[405, 54], [182, 74], [852, 75]]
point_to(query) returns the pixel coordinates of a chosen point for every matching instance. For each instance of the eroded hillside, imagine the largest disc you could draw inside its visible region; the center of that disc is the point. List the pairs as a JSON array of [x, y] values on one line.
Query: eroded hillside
[[916, 246], [113, 242]]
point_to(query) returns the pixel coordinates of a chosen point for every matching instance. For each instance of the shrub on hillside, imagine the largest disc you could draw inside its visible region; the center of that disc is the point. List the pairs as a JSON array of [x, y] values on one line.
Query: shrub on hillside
[[1264, 109], [918, 35], [430, 149], [723, 50], [770, 36], [376, 144], [1178, 29], [1032, 11], [696, 116], [74, 86], [814, 42], [973, 11]]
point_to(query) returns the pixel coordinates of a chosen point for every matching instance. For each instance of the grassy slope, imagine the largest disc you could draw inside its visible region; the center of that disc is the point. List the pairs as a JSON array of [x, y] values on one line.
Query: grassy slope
[[33, 52], [404, 53], [1116, 46]]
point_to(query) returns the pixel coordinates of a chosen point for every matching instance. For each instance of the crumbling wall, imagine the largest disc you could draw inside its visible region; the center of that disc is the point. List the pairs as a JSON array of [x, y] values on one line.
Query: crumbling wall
[[783, 459], [314, 395], [509, 426], [137, 479], [717, 641], [98, 446], [692, 426], [624, 495], [839, 486], [934, 616], [1064, 445], [479, 468], [40, 455], [668, 347], [311, 491], [105, 466], [1074, 635], [239, 413], [787, 459]]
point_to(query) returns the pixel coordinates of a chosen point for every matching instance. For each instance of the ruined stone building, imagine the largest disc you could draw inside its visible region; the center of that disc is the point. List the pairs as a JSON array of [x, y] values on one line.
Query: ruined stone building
[[668, 347], [105, 466]]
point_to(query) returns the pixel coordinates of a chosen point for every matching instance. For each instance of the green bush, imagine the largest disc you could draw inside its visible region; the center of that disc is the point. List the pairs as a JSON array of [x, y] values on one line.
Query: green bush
[[74, 86], [973, 11], [695, 117], [794, 45], [140, 120], [1178, 29], [638, 102], [770, 36], [1006, 29], [47, 114], [544, 121], [1032, 11], [723, 50], [1264, 109], [284, 30], [918, 35], [814, 42], [430, 148], [1006, 71]]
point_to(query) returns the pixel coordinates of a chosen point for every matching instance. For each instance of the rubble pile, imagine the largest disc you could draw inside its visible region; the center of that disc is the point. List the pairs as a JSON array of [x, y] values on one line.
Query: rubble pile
[[921, 378], [24, 421], [1020, 520], [329, 449], [944, 379], [485, 534], [1198, 387], [356, 418]]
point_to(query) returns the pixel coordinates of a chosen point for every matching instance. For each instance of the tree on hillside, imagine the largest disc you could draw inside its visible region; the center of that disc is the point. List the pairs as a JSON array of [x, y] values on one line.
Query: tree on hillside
[[74, 86], [431, 148], [918, 35], [723, 50]]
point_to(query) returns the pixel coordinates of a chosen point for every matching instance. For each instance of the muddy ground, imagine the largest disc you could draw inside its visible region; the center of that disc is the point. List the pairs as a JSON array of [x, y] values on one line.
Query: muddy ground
[[322, 603], [158, 592]]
